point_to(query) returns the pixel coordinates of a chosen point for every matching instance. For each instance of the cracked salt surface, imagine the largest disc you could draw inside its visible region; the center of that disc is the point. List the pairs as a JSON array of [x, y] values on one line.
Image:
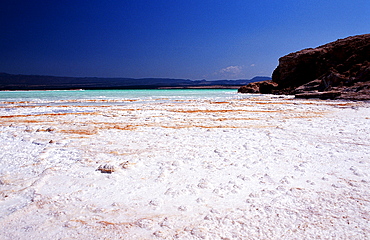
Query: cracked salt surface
[[257, 168]]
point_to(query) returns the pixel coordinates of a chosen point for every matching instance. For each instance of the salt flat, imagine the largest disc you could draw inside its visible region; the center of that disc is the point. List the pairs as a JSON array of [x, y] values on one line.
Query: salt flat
[[257, 168]]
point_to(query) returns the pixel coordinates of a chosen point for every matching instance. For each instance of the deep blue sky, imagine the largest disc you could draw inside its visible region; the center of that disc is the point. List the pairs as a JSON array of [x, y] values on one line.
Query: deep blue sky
[[193, 39]]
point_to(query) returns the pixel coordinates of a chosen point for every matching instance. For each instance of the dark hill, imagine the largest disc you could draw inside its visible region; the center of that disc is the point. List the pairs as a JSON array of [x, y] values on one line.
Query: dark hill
[[37, 82]]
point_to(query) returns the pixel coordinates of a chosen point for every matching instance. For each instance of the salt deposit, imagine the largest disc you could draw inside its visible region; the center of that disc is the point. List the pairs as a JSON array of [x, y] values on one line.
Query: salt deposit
[[256, 168]]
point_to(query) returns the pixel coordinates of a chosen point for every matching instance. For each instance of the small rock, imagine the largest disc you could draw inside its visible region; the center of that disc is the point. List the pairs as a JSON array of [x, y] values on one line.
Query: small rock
[[124, 165], [50, 129], [156, 202], [182, 208], [107, 168]]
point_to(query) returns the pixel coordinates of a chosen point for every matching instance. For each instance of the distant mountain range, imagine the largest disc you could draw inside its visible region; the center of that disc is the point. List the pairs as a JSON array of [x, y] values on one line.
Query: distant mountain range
[[39, 82]]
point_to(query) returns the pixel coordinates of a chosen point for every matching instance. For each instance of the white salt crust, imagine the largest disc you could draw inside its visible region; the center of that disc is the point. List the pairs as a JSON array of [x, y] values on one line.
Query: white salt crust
[[258, 168]]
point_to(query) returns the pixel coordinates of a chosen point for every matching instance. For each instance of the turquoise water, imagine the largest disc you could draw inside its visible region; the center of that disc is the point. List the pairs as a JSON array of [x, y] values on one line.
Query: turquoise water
[[115, 96]]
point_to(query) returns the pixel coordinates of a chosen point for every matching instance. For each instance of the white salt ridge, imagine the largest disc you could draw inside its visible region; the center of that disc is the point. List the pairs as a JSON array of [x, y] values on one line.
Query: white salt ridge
[[258, 168]]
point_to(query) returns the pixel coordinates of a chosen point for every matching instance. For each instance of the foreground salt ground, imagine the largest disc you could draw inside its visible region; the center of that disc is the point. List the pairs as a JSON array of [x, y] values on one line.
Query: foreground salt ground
[[258, 168]]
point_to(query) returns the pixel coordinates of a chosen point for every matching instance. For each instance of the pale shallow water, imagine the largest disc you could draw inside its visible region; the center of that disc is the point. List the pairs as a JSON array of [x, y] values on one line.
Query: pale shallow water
[[117, 96], [215, 166]]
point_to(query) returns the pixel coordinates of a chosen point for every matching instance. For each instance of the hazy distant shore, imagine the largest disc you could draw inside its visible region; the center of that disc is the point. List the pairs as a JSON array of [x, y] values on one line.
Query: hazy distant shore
[[37, 82], [203, 87]]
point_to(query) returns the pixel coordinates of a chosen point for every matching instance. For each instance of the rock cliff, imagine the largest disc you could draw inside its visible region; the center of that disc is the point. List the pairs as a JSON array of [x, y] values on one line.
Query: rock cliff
[[339, 69]]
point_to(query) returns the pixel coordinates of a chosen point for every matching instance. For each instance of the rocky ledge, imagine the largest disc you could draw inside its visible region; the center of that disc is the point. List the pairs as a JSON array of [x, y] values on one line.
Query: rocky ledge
[[337, 70]]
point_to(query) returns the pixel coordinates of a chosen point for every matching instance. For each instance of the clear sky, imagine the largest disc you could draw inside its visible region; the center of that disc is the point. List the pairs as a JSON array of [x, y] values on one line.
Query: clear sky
[[191, 39]]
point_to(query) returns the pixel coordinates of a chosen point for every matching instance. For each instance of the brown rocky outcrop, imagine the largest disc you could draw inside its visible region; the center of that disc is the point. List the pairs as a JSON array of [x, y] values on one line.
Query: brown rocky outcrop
[[339, 69], [259, 87]]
